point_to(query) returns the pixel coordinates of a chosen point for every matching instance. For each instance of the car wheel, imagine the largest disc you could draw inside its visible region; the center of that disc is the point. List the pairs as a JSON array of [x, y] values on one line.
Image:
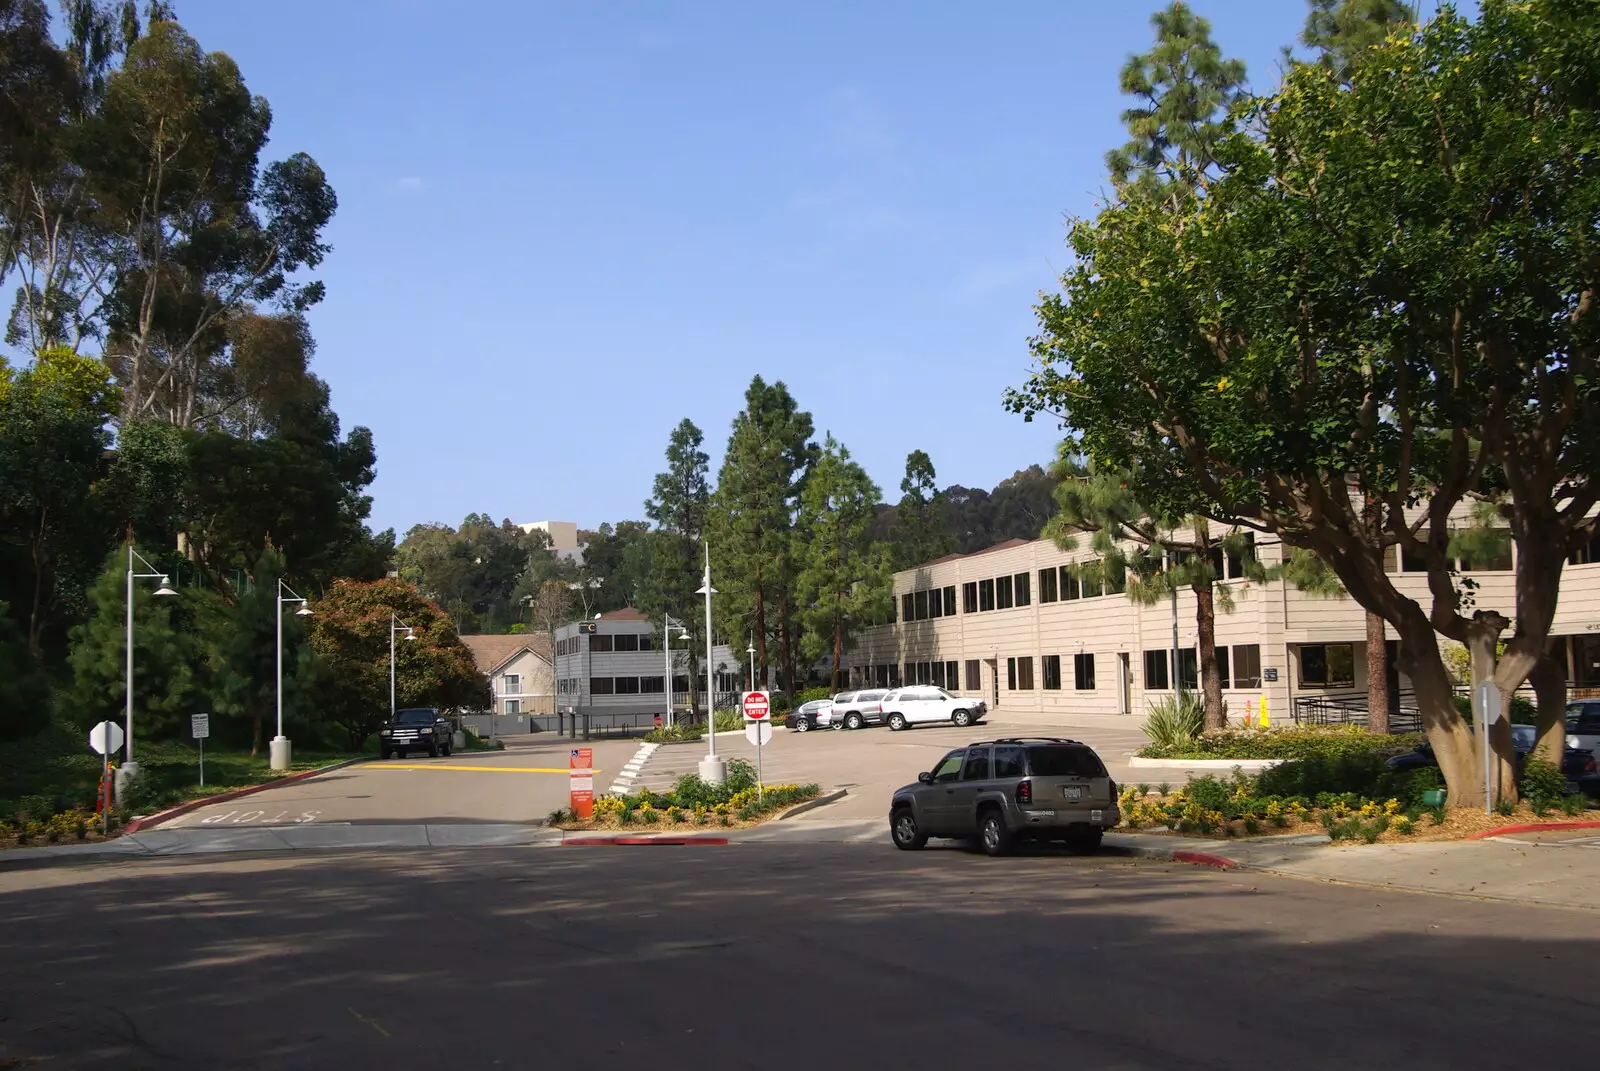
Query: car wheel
[[903, 828], [384, 754], [852, 721], [961, 718], [1085, 841], [449, 749], [897, 722], [433, 751], [802, 726], [400, 753], [993, 836]]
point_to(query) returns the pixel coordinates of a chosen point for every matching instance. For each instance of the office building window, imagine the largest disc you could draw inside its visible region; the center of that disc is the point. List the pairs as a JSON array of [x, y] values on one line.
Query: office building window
[[908, 607], [1246, 665], [920, 604], [935, 603], [1002, 593], [1011, 674], [974, 675], [600, 643], [1331, 665], [1091, 582], [1492, 559], [1588, 554], [600, 685], [1222, 667], [1083, 672], [1050, 664], [950, 601], [894, 676], [1047, 585], [511, 684], [513, 706], [680, 684], [1238, 559], [1025, 674], [1069, 584], [1188, 670], [952, 676], [985, 595], [647, 643], [627, 685], [625, 641], [1023, 583], [1157, 674], [969, 597]]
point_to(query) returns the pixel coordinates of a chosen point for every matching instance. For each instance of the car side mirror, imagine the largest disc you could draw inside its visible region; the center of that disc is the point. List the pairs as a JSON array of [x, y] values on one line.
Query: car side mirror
[[925, 778]]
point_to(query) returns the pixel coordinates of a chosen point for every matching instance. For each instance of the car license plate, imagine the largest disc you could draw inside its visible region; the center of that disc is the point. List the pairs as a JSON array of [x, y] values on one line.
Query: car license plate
[[1073, 793]]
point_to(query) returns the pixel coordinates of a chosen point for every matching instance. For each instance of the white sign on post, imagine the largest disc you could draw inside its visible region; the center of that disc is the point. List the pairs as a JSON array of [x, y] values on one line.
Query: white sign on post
[[200, 728], [106, 737], [758, 729]]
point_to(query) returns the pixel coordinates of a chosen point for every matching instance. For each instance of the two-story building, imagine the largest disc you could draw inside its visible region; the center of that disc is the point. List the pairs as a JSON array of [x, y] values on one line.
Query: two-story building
[[621, 667], [520, 670], [1015, 624]]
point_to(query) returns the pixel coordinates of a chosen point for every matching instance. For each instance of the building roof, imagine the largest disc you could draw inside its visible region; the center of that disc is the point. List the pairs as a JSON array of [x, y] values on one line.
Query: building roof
[[1007, 545], [627, 613], [492, 652]]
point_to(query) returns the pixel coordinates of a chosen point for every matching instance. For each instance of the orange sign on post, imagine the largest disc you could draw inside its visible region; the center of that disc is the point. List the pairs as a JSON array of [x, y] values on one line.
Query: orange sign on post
[[581, 782]]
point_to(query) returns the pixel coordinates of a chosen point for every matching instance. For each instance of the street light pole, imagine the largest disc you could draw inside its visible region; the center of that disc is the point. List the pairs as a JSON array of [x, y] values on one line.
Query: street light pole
[[129, 767], [278, 751], [396, 625], [713, 771], [752, 651]]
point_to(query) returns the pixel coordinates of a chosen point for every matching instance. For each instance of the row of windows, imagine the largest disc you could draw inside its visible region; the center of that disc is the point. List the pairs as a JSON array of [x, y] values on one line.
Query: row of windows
[[621, 685], [1237, 667], [1019, 673], [602, 643], [921, 605]]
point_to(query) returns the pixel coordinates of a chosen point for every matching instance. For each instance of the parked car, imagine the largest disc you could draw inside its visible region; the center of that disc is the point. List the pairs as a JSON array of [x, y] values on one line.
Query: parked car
[[924, 704], [998, 791], [817, 714], [857, 710], [1583, 724], [413, 729], [1578, 764]]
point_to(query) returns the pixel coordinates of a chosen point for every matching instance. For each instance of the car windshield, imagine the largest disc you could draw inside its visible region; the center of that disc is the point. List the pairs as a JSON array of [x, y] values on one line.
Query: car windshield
[[1060, 760], [1524, 736], [416, 716]]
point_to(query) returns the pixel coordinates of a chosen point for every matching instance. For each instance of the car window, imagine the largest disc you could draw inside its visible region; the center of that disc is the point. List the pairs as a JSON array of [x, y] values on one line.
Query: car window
[[949, 767], [1064, 760], [977, 767], [907, 696], [869, 697], [415, 717], [1524, 736], [844, 697], [940, 693], [1008, 762]]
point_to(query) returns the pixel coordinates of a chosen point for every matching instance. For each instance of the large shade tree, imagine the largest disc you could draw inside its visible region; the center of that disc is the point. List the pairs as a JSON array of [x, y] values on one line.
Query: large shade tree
[[1391, 292]]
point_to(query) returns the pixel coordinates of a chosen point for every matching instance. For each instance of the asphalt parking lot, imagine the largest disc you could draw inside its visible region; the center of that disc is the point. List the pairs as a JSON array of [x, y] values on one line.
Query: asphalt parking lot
[[871, 763]]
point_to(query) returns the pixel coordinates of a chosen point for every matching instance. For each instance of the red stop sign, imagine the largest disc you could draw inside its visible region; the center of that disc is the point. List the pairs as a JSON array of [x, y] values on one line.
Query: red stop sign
[[756, 706]]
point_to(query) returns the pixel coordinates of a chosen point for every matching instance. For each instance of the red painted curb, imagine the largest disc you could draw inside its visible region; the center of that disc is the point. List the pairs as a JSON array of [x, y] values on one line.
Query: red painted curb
[[150, 821], [1221, 862], [589, 842], [1532, 827]]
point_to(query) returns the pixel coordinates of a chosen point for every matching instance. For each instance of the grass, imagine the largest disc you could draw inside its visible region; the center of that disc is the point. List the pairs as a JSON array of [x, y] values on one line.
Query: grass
[[54, 771]]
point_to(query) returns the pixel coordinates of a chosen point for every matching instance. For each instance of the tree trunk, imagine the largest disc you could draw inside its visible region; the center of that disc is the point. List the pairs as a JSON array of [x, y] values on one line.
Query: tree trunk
[[1205, 613], [1549, 679], [255, 734], [838, 638], [1481, 642], [1453, 743], [761, 628], [1377, 676], [786, 651]]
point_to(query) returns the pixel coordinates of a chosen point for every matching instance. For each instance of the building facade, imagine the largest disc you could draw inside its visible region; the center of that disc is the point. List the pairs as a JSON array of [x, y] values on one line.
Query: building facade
[[621, 667], [520, 671], [1015, 625]]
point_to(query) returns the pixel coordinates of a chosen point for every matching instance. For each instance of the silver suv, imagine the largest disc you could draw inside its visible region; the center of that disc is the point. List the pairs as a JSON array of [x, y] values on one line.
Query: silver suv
[[855, 710], [998, 791]]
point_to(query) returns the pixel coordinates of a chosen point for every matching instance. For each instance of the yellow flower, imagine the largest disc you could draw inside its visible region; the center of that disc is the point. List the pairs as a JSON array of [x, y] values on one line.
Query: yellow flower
[[1222, 384]]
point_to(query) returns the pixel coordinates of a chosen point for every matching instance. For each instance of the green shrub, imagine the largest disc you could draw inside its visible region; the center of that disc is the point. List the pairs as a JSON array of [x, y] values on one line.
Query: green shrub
[[741, 775], [1286, 743], [1361, 775], [682, 732], [729, 721], [1504, 806], [1210, 793], [1175, 721], [1544, 786], [811, 694]]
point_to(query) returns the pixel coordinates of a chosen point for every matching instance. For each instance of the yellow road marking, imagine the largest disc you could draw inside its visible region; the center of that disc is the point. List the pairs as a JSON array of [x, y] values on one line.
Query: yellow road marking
[[370, 1022], [471, 769]]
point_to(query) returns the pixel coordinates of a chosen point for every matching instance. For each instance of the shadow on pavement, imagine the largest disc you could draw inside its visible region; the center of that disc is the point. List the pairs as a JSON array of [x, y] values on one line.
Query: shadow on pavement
[[766, 956]]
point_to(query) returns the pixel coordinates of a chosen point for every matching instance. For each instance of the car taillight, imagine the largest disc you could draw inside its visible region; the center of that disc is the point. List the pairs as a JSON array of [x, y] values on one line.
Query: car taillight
[[1024, 791], [1589, 766]]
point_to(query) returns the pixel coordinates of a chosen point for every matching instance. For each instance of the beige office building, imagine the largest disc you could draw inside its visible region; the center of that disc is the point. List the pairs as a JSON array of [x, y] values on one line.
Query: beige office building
[[1013, 624]]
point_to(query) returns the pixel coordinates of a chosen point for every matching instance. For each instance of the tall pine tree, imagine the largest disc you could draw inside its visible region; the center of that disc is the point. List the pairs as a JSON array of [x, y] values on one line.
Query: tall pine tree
[[678, 506], [844, 577], [1185, 88], [247, 676], [921, 530], [751, 522]]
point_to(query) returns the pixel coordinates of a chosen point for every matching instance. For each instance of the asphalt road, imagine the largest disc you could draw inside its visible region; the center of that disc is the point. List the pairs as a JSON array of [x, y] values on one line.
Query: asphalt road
[[772, 957], [523, 783]]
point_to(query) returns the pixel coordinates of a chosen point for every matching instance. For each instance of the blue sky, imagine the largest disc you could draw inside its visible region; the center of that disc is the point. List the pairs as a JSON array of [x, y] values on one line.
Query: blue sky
[[564, 227]]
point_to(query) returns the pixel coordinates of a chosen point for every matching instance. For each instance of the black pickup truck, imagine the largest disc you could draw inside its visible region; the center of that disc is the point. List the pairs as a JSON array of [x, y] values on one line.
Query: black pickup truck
[[413, 729]]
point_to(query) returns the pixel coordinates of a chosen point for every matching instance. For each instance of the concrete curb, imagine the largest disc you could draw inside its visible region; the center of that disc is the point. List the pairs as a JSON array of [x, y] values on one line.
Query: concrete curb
[[1177, 855], [1139, 762], [150, 821], [594, 842], [1531, 827], [813, 803]]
